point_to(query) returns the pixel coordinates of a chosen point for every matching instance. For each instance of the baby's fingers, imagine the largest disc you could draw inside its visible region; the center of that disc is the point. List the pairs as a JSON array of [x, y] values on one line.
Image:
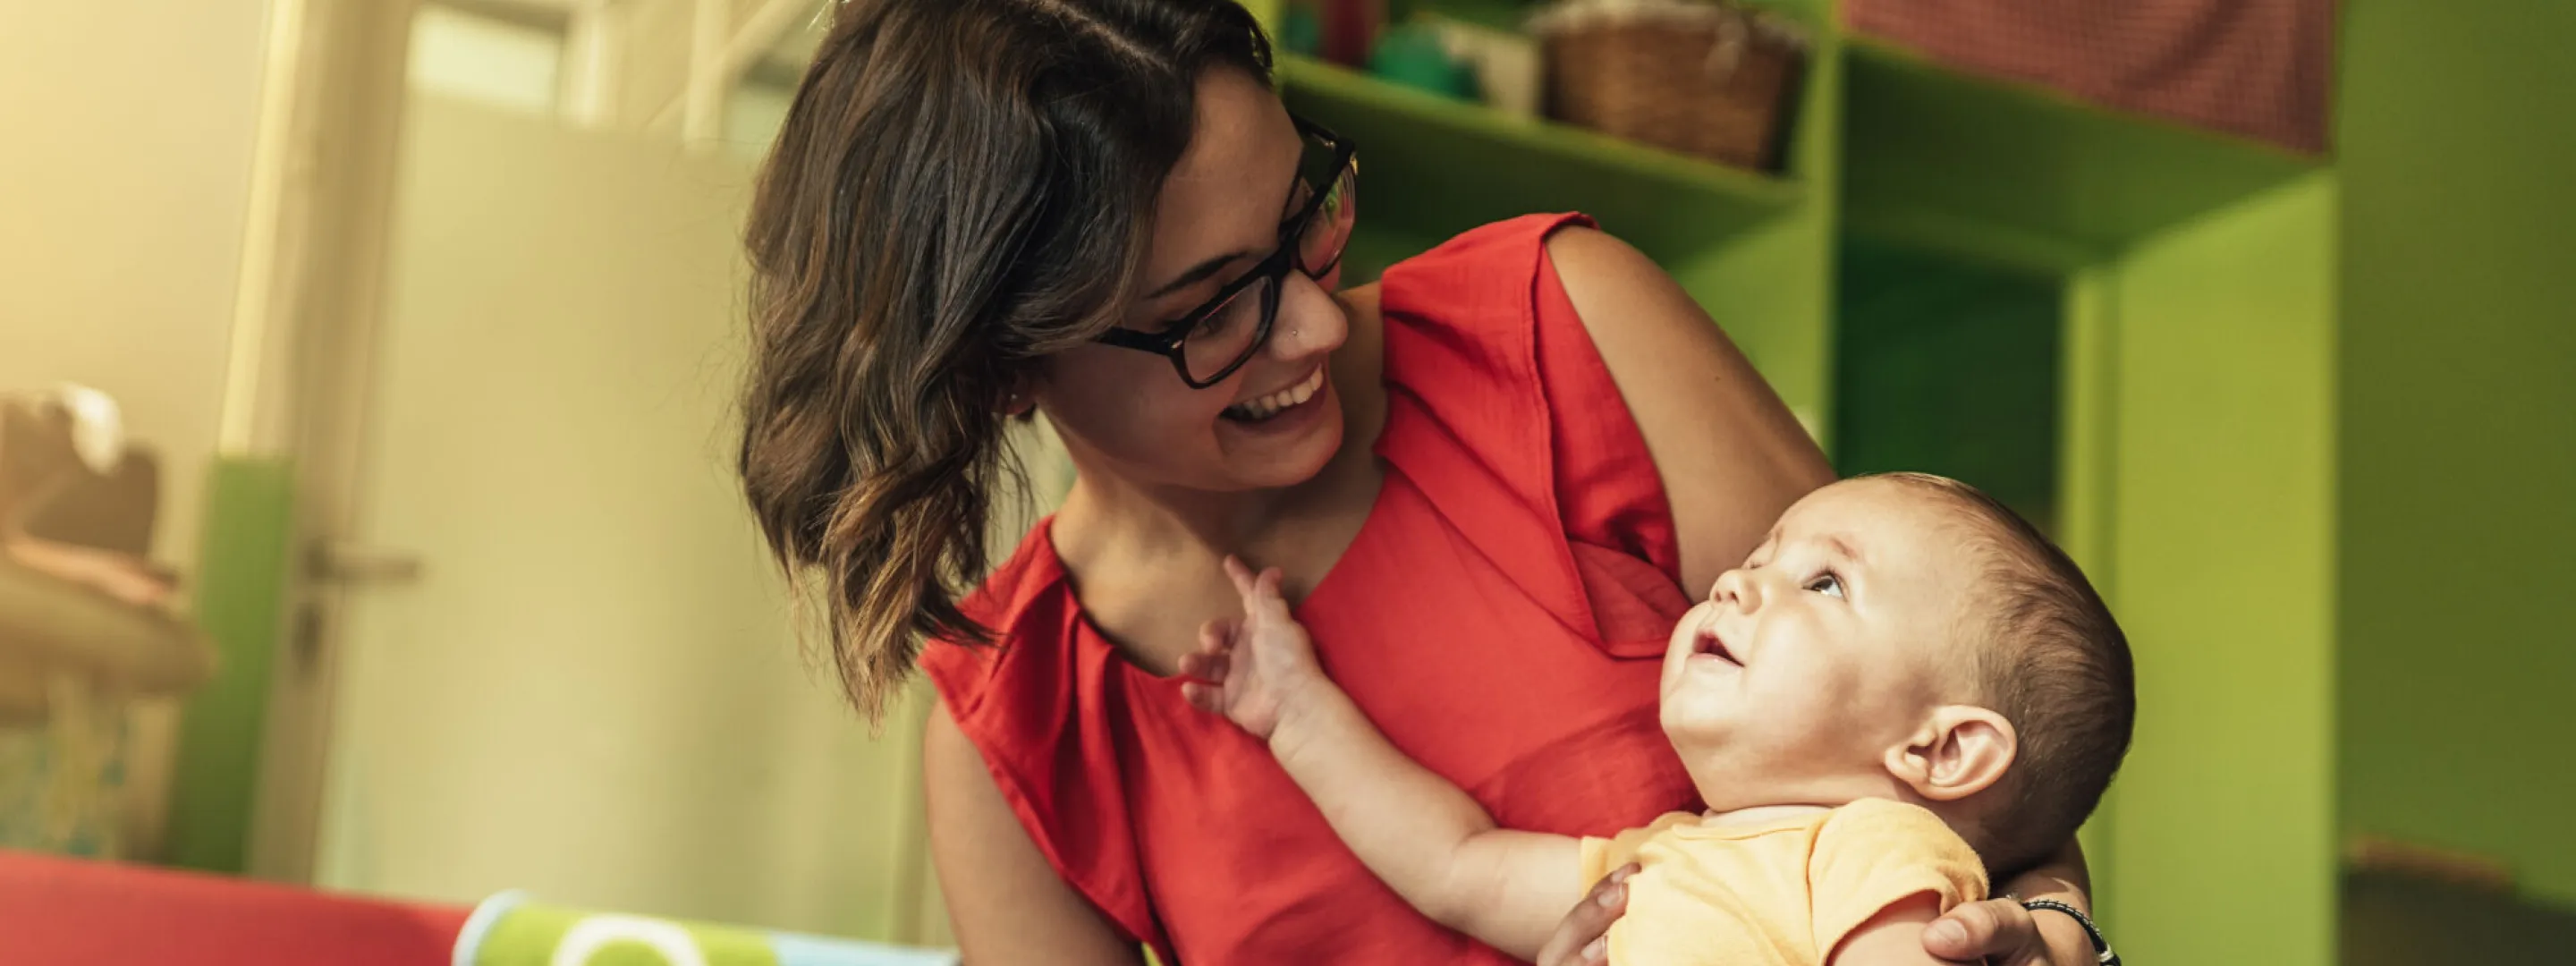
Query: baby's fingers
[[1265, 602], [1205, 697], [1218, 635], [1258, 590], [1237, 571], [1211, 668], [1202, 667]]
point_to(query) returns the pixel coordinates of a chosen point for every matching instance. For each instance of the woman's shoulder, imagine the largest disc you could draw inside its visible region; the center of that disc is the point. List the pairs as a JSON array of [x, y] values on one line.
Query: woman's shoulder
[[1500, 411], [1486, 265], [1023, 604]]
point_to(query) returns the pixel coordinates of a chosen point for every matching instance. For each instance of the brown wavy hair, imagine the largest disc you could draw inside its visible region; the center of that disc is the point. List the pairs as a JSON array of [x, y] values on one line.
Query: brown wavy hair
[[961, 187]]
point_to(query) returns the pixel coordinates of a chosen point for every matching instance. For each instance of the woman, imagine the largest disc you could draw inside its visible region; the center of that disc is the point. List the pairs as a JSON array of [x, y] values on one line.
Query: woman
[[1098, 210]]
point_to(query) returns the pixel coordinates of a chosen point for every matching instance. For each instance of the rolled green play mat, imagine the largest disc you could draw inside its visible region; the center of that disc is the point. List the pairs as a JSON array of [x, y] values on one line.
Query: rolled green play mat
[[510, 930]]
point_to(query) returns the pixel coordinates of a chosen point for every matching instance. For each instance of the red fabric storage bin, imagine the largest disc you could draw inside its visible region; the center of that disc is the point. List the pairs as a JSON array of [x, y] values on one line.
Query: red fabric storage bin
[[2257, 68]]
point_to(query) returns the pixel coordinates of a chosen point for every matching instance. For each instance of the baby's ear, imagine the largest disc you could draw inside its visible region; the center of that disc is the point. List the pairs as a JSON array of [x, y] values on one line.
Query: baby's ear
[[1959, 751]]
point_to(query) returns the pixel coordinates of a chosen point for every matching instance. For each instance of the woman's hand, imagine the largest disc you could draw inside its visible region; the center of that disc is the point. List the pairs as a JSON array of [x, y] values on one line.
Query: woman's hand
[[1255, 669], [1583, 937], [2001, 932]]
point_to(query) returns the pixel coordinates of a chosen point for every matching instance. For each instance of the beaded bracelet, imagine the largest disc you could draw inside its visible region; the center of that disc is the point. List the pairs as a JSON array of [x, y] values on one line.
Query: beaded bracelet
[[2101, 945]]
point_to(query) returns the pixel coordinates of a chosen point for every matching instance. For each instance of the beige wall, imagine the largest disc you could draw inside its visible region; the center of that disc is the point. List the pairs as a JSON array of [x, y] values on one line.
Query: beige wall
[[123, 189], [591, 690]]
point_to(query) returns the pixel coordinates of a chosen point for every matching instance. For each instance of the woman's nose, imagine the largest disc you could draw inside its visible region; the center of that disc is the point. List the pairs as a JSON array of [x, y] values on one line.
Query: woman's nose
[[1310, 321]]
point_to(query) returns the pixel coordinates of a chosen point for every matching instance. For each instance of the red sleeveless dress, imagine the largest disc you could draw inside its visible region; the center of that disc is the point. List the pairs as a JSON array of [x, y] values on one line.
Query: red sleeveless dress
[[1501, 616]]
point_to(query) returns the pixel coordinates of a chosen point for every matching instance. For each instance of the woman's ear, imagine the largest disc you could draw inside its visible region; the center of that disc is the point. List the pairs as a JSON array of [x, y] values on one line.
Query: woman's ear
[[1018, 399], [1960, 750]]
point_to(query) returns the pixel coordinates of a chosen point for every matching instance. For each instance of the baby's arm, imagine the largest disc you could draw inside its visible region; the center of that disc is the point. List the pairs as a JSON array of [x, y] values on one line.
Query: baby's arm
[[1892, 938], [1421, 835]]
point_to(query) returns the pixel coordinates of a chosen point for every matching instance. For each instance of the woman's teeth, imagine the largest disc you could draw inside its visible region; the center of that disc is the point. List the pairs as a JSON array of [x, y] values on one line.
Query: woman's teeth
[[1256, 410]]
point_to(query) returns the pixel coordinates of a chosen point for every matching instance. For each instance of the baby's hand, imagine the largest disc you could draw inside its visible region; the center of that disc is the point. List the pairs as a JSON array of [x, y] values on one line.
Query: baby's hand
[[1255, 668]]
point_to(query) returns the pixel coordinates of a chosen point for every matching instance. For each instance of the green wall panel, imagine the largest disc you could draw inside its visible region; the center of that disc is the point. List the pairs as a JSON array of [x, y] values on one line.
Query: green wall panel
[[2222, 550], [1949, 367], [2458, 141]]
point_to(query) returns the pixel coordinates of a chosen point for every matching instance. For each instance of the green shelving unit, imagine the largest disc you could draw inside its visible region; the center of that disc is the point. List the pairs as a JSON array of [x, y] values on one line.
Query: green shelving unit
[[2016, 172], [1416, 151], [1418, 192], [1432, 166]]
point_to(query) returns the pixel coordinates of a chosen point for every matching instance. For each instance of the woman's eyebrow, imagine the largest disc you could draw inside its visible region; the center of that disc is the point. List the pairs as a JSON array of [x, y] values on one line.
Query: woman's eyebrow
[[1204, 270], [1199, 273]]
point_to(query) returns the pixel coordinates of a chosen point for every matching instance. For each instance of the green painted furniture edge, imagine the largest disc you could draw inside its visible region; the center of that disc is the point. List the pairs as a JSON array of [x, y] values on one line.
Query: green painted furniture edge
[[243, 566]]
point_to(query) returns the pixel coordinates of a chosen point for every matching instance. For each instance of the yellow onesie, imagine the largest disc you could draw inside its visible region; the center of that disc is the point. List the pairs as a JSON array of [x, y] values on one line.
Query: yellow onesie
[[1782, 892]]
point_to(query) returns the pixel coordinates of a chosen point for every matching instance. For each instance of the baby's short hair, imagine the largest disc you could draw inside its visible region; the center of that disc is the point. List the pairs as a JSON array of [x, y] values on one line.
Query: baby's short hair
[[2051, 660]]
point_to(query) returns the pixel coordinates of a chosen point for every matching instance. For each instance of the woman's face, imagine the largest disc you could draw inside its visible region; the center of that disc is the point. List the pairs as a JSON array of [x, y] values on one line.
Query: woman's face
[[1127, 412]]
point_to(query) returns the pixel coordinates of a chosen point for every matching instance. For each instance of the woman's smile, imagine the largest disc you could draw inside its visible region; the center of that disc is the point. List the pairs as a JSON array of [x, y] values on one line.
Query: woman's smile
[[1270, 405]]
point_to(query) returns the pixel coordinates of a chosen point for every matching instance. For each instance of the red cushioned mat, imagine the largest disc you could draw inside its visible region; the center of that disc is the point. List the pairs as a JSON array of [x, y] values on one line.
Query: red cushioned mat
[[80, 913]]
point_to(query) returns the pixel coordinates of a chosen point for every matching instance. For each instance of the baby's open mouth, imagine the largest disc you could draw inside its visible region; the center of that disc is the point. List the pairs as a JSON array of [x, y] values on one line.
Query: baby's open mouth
[[1709, 644]]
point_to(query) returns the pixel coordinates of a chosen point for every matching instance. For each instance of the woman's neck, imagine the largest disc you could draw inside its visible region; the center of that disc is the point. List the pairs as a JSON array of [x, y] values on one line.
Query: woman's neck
[[1102, 507], [1109, 516]]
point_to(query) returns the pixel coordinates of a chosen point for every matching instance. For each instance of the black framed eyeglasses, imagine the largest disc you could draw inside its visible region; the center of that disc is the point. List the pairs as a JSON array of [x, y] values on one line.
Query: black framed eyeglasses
[[1219, 336]]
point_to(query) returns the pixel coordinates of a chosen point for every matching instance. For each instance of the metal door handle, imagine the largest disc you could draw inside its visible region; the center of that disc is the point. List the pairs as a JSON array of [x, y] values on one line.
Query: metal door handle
[[341, 562]]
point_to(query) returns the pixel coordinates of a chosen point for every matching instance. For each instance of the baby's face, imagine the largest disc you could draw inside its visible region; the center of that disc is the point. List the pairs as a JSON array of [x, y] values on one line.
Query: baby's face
[[1829, 646]]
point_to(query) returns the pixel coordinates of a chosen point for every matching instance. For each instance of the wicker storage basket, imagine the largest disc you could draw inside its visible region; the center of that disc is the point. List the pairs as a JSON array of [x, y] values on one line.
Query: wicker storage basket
[[1695, 77]]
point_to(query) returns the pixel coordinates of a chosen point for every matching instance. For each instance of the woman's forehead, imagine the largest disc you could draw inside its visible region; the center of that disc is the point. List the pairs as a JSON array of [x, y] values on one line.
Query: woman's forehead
[[1226, 193]]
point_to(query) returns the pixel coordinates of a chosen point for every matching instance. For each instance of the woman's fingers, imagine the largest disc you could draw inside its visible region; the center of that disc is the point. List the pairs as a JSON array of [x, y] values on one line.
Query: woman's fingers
[[1999, 931], [1582, 937]]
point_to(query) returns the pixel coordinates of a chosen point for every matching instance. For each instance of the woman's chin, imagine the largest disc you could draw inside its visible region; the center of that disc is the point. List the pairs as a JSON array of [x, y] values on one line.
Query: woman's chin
[[1288, 448]]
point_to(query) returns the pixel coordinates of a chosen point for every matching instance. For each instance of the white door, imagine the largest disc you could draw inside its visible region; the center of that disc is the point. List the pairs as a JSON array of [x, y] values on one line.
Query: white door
[[589, 689]]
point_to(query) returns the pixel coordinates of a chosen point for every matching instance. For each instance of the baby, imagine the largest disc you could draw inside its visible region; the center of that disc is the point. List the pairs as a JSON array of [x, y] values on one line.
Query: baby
[[1905, 688]]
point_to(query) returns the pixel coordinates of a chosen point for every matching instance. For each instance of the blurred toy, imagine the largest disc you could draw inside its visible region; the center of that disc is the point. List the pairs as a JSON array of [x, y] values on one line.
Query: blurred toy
[[1504, 63], [85, 625], [1301, 29], [79, 601], [73, 503], [509, 930], [1350, 29], [1414, 55]]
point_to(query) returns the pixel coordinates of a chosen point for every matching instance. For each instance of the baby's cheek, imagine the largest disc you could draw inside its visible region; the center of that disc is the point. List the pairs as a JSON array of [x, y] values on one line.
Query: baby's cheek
[[1816, 711]]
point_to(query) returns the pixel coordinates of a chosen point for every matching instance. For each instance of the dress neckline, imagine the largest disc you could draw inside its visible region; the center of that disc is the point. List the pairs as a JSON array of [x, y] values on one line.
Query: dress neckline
[[1089, 635]]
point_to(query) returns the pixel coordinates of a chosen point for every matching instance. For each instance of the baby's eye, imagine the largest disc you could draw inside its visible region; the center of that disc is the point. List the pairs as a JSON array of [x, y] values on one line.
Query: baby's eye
[[1826, 584]]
